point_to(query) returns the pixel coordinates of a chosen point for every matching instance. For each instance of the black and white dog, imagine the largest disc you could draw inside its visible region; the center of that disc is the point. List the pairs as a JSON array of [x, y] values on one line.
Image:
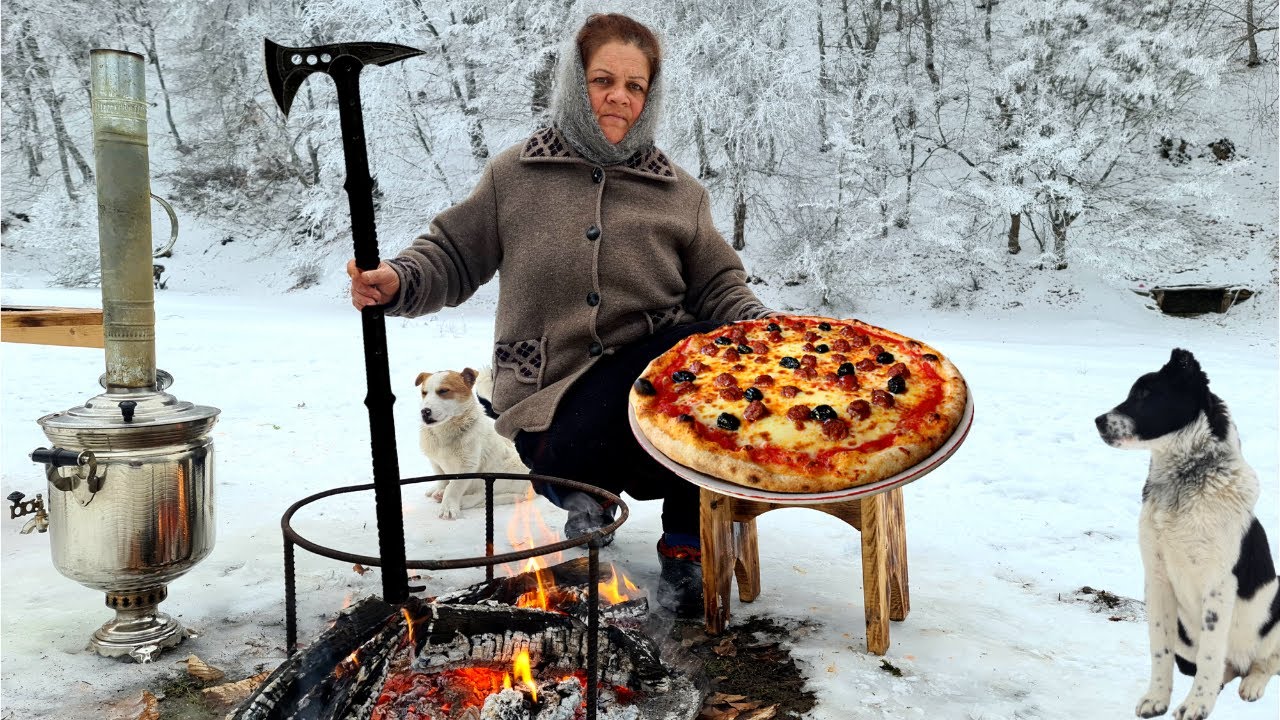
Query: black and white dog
[[1211, 587]]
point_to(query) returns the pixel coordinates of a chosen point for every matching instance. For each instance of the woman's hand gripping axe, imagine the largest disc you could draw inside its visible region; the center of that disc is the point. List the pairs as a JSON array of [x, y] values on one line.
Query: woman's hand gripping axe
[[287, 69]]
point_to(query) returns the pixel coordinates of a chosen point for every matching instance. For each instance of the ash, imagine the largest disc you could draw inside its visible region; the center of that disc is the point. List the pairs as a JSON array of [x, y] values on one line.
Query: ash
[[556, 701]]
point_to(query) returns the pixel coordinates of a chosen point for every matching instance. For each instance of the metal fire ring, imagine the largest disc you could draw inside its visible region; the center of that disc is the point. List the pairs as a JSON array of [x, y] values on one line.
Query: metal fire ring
[[480, 561], [593, 540]]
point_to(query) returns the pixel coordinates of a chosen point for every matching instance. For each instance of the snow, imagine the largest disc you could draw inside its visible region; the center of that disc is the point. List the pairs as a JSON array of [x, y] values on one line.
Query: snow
[[1001, 538], [1030, 509]]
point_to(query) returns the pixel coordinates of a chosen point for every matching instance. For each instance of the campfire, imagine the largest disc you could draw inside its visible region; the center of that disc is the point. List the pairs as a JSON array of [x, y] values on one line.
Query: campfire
[[514, 648], [562, 641]]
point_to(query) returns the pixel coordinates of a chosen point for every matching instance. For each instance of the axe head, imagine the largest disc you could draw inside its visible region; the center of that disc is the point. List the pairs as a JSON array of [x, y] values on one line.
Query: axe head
[[288, 67]]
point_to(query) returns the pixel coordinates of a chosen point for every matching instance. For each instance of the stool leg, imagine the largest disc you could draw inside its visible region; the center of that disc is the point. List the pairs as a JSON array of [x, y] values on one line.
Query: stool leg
[[747, 567], [875, 585], [899, 593], [716, 515]]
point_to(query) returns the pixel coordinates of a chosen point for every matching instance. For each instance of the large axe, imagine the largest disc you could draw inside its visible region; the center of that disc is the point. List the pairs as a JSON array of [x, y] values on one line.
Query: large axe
[[287, 69]]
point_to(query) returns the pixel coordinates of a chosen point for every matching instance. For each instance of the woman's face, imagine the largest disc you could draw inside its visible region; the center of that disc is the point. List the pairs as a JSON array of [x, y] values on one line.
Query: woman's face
[[617, 84]]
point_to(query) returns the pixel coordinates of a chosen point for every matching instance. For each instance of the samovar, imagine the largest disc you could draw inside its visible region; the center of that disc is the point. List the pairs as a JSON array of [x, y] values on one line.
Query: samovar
[[130, 473]]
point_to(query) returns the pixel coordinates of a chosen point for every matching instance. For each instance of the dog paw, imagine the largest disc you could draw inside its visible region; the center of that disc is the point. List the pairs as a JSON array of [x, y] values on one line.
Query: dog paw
[[1153, 704], [451, 513], [437, 495], [1192, 711], [1252, 686]]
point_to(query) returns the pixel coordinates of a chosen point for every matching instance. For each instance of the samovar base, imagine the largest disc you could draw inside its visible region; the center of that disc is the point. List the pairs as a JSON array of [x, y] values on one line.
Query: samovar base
[[139, 631]]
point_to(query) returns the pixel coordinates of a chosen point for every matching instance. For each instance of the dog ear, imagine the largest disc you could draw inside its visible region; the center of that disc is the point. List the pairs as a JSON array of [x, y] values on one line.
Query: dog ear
[[1182, 364], [469, 376], [422, 378]]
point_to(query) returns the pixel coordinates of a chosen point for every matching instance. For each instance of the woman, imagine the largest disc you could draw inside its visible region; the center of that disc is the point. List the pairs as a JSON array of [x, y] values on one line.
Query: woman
[[608, 257]]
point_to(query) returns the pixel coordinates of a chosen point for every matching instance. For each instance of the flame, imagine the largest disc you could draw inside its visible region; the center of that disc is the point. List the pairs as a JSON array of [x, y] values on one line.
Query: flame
[[354, 658], [537, 598], [408, 621], [524, 674], [611, 593], [527, 529], [506, 681]]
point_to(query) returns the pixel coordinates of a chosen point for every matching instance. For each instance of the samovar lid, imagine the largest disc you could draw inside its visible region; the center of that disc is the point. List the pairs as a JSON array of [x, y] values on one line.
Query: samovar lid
[[133, 410]]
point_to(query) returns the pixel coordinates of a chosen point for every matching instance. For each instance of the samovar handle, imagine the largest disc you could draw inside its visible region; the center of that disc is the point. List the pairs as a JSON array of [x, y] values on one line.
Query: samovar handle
[[61, 457], [173, 227]]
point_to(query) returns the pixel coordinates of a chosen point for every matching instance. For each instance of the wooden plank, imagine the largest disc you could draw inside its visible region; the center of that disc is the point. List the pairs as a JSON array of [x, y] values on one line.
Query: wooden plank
[[875, 560], [69, 327], [899, 592], [747, 567], [717, 559]]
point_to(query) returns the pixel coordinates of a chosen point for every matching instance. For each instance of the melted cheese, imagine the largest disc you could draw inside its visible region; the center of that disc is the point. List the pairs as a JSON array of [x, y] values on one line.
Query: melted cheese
[[776, 430]]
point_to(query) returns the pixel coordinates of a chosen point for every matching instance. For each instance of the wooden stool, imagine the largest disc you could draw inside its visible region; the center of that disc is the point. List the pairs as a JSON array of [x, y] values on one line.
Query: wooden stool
[[730, 547]]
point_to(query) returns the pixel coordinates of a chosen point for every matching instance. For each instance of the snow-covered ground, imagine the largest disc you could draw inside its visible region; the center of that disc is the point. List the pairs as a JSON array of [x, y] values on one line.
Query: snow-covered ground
[[1031, 508]]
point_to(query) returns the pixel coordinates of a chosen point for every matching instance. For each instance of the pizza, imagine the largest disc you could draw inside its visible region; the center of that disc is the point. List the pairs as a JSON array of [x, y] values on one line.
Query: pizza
[[799, 404]]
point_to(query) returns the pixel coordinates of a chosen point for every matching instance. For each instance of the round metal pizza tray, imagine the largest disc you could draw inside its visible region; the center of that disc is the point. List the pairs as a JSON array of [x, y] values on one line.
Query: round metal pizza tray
[[724, 487]]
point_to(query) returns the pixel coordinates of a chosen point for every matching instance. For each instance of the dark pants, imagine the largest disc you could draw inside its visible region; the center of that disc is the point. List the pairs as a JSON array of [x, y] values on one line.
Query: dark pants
[[590, 440]]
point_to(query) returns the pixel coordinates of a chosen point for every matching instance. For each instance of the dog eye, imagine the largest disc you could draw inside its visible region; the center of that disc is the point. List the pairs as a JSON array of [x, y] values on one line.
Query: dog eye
[[442, 391]]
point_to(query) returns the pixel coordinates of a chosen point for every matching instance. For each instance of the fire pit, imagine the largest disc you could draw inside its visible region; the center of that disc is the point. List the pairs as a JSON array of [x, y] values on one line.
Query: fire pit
[[528, 647]]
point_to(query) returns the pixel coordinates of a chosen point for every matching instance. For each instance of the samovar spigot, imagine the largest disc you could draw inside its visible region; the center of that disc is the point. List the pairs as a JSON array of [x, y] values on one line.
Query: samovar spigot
[[18, 508]]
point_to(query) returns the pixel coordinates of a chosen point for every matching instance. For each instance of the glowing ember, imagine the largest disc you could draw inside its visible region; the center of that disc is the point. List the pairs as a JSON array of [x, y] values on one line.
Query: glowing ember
[[450, 693], [524, 673], [349, 664], [406, 693]]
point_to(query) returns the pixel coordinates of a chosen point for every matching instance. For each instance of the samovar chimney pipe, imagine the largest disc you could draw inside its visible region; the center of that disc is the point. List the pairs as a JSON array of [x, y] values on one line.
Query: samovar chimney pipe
[[122, 166]]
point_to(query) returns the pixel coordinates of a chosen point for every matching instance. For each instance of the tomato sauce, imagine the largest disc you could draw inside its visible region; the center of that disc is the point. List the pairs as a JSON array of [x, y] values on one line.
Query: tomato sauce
[[926, 405]]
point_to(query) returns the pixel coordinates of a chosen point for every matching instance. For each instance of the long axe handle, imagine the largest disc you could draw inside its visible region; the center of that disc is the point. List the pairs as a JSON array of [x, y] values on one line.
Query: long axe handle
[[345, 71]]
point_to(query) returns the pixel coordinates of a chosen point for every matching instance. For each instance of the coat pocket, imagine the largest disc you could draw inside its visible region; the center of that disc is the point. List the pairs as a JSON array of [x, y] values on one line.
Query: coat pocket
[[526, 359], [664, 318]]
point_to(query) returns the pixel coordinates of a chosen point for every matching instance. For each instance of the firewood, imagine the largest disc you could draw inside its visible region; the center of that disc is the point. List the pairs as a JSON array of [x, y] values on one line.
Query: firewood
[[228, 694], [341, 675], [507, 590], [201, 670], [450, 636], [284, 690], [151, 707]]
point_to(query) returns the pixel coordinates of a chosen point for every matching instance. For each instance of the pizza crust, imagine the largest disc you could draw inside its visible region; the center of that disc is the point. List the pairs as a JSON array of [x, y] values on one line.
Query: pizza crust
[[679, 441]]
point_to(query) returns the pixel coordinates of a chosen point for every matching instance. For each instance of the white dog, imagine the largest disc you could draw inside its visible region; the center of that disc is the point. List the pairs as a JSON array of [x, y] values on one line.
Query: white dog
[[1211, 587], [458, 438]]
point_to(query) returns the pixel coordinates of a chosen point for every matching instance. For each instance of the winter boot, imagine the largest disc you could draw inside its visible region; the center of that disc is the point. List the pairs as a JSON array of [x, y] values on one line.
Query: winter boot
[[680, 584], [586, 514]]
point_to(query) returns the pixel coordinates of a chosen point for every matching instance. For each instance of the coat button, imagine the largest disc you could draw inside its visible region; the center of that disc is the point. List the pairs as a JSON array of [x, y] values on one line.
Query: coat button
[[593, 233], [595, 349], [597, 175], [593, 299]]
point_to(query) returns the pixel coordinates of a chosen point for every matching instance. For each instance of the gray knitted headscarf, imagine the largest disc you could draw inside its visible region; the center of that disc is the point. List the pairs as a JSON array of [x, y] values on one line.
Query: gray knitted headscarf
[[571, 114]]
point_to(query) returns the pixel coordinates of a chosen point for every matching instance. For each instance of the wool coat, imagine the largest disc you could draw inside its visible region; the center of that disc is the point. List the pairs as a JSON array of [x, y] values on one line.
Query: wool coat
[[589, 259]]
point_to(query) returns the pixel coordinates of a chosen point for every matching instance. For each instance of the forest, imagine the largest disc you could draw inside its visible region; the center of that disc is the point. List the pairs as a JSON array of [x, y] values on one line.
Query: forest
[[841, 140]]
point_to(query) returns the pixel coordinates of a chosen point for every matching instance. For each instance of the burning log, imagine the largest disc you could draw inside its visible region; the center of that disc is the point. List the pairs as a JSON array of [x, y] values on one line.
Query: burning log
[[451, 636], [509, 590], [286, 694], [564, 587], [382, 663]]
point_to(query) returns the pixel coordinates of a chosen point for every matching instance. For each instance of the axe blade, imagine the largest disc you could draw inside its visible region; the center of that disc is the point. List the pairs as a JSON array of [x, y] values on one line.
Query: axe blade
[[289, 67]]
